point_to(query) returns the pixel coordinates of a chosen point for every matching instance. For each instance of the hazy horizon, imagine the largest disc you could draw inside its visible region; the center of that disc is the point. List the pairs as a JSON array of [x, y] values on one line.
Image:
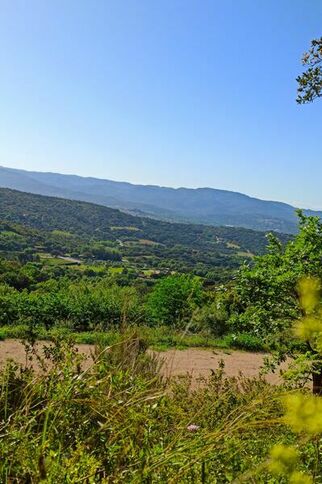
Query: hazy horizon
[[164, 186]]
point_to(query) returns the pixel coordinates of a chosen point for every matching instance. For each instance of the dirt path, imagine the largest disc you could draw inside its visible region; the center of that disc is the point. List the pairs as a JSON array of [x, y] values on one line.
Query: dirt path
[[13, 349], [198, 362]]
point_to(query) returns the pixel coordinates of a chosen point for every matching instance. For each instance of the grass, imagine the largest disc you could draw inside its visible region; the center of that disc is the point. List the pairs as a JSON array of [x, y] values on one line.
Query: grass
[[98, 268], [242, 253], [116, 270], [56, 261], [119, 421], [129, 227], [157, 338]]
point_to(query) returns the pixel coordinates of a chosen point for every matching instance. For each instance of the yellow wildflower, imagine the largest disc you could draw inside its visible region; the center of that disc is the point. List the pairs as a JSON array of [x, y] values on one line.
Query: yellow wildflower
[[304, 413], [309, 289], [300, 478], [283, 459]]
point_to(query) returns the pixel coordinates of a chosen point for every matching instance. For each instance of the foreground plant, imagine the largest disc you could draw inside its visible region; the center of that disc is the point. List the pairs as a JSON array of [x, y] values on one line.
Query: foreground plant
[[113, 419], [303, 412]]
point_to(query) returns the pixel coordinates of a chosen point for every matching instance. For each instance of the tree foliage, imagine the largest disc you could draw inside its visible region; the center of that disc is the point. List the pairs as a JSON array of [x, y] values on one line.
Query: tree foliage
[[310, 82], [174, 299], [266, 294]]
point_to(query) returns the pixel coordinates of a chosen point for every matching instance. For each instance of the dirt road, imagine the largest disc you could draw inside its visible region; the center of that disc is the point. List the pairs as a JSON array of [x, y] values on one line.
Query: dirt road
[[198, 362]]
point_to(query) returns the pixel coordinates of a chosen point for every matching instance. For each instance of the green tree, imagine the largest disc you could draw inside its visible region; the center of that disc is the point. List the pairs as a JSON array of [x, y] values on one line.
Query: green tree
[[268, 293], [174, 298], [310, 82]]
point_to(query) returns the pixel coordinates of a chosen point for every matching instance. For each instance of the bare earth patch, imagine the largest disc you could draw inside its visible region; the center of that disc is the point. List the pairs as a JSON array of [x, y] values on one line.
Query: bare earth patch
[[14, 350], [200, 363], [197, 362]]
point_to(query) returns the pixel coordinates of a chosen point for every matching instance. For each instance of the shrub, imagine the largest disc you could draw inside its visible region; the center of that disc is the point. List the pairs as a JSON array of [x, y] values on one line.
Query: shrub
[[245, 341], [174, 299]]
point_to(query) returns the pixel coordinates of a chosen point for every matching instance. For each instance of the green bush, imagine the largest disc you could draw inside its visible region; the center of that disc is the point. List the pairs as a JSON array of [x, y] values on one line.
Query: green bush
[[81, 306], [245, 341], [174, 299]]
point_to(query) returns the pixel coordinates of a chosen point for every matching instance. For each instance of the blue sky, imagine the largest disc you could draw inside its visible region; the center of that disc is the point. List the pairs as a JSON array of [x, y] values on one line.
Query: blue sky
[[169, 92]]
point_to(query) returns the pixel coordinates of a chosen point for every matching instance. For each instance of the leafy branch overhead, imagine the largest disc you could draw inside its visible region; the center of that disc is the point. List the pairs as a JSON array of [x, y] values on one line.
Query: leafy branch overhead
[[310, 82]]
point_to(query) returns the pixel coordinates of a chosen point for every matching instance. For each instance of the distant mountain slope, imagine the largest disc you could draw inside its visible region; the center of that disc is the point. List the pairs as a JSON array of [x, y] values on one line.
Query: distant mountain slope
[[203, 205], [103, 223]]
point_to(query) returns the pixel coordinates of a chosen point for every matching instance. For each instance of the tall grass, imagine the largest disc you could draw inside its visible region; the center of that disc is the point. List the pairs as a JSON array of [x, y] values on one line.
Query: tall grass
[[159, 338], [115, 419]]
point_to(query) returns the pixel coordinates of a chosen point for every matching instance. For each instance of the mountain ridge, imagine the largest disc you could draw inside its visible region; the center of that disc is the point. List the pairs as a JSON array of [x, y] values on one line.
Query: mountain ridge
[[209, 206]]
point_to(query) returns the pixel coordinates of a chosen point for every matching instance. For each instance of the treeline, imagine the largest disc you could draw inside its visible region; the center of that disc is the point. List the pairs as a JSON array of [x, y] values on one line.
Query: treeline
[[79, 306], [104, 303]]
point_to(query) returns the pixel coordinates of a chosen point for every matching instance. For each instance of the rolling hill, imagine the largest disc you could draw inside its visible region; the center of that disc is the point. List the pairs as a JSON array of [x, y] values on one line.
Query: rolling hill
[[72, 228], [202, 206]]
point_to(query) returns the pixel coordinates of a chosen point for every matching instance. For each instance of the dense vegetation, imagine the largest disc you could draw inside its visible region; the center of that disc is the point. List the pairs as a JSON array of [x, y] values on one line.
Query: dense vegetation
[[118, 421], [266, 294], [35, 225]]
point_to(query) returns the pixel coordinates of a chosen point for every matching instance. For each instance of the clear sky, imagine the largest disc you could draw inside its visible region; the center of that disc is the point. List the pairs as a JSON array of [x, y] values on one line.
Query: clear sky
[[168, 92]]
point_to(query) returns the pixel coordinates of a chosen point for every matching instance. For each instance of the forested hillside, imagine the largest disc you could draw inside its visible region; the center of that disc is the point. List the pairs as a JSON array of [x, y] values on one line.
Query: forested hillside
[[83, 230], [203, 205]]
